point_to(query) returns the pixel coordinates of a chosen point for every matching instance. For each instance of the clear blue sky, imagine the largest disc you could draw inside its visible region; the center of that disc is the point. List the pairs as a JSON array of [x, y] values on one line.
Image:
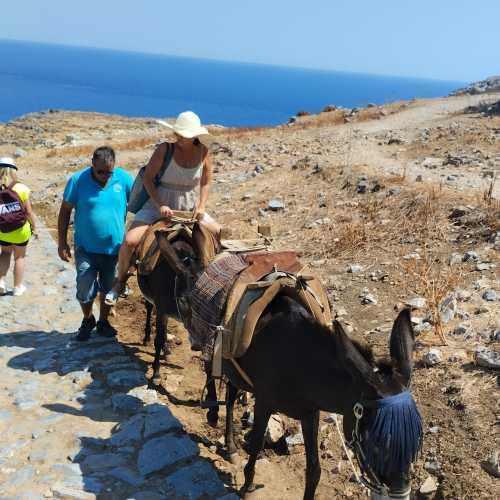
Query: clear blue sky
[[444, 39]]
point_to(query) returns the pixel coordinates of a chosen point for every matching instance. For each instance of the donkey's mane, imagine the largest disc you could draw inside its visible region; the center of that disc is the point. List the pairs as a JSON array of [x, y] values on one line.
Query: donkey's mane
[[328, 335]]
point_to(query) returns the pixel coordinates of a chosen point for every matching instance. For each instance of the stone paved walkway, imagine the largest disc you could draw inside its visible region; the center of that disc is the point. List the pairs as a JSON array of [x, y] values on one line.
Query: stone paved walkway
[[77, 420]]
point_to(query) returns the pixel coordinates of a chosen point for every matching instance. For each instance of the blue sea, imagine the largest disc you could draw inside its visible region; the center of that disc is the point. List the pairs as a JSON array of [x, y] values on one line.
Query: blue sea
[[36, 77]]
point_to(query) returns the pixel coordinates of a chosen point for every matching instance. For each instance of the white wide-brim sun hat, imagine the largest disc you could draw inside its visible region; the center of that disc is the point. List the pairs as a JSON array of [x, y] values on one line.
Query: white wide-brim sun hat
[[187, 125], [7, 161]]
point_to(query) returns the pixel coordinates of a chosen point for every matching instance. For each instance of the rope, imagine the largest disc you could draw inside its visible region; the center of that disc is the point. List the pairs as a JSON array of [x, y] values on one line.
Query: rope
[[346, 451]]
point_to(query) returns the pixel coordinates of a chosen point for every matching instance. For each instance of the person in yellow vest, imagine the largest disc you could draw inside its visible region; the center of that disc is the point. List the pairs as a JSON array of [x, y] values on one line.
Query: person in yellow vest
[[17, 225]]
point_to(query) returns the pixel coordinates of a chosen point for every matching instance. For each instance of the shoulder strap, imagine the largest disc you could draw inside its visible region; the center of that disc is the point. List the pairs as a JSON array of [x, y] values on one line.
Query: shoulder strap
[[169, 152]]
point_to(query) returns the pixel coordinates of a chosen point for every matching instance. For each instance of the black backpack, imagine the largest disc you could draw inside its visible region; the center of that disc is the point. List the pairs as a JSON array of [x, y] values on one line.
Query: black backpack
[[138, 194], [12, 210]]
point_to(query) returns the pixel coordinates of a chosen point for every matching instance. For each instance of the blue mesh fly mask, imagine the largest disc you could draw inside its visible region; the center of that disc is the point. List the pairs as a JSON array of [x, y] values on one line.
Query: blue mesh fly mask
[[391, 440]]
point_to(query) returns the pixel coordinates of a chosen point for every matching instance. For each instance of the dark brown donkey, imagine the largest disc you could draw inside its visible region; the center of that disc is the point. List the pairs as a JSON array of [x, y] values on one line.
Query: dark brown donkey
[[299, 367], [173, 275]]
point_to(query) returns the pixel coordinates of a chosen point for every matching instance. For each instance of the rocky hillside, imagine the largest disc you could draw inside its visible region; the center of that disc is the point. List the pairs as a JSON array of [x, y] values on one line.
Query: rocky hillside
[[390, 205], [491, 84]]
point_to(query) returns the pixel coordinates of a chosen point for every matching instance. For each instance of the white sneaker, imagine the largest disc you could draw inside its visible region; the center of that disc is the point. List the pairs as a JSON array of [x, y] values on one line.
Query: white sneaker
[[111, 298], [3, 287], [19, 290]]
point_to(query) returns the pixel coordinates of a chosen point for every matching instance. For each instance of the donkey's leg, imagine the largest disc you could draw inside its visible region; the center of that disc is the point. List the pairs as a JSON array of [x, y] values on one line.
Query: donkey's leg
[[161, 324], [313, 469], [261, 418], [231, 395], [147, 327], [213, 411]]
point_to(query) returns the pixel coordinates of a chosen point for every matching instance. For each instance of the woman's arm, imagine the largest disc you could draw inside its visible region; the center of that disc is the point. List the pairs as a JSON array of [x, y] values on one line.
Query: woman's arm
[[31, 215], [205, 181]]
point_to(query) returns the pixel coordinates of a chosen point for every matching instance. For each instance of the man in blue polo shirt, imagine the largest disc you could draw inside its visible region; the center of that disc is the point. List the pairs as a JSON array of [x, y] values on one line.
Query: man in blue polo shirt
[[99, 195]]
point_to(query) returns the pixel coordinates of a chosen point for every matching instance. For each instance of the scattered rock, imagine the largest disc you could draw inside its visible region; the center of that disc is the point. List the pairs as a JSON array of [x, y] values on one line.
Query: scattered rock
[[329, 108], [19, 152], [470, 256], [422, 327], [367, 297], [295, 440], [71, 138], [432, 467], [275, 430], [354, 268], [454, 259], [416, 303], [487, 358], [492, 465], [412, 256], [432, 357], [429, 486], [276, 204], [432, 163], [490, 295], [483, 266]]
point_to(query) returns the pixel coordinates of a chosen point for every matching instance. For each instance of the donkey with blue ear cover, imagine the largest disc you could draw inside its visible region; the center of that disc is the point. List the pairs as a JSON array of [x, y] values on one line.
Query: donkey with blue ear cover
[[299, 367]]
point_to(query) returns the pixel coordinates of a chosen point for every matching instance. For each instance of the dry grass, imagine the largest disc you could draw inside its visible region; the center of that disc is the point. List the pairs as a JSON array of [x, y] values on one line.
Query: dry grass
[[239, 133], [413, 217], [421, 215], [87, 150], [434, 281]]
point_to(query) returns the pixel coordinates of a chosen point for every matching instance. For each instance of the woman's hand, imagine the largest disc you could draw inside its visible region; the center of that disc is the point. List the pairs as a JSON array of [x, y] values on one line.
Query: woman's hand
[[166, 212], [198, 213]]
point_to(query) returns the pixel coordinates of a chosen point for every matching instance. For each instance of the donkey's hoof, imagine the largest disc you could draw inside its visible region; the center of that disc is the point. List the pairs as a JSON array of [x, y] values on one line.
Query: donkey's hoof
[[156, 380], [248, 493], [212, 418]]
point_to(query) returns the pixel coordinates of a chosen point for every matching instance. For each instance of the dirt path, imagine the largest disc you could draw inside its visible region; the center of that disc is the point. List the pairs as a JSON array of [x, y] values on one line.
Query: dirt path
[[77, 420]]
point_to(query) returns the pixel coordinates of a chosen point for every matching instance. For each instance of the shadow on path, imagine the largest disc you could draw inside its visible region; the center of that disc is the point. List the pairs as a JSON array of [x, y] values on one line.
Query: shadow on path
[[100, 430]]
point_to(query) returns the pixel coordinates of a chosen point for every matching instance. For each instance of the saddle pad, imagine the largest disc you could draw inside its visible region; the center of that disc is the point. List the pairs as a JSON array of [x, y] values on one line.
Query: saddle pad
[[208, 300]]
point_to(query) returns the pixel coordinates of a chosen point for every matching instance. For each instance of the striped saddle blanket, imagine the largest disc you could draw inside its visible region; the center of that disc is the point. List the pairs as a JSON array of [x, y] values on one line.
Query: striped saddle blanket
[[208, 300]]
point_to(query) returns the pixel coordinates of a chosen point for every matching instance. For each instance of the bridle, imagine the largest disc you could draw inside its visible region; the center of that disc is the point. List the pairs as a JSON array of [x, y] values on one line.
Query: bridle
[[368, 477]]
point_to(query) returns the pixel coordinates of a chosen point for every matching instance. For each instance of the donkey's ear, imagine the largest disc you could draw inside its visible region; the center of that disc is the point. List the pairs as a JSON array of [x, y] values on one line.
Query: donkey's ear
[[401, 345], [354, 358]]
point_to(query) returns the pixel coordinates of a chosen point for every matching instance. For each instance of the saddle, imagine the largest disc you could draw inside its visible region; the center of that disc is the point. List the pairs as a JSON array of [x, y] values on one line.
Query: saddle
[[180, 227], [267, 275]]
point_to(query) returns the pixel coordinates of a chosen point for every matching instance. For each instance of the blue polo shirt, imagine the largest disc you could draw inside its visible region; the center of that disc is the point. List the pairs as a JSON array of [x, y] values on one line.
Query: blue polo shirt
[[100, 212]]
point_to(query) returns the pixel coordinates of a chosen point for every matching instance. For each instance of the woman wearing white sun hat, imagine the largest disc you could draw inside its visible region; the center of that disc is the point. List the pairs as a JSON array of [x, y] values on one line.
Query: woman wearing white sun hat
[[188, 167], [17, 224]]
